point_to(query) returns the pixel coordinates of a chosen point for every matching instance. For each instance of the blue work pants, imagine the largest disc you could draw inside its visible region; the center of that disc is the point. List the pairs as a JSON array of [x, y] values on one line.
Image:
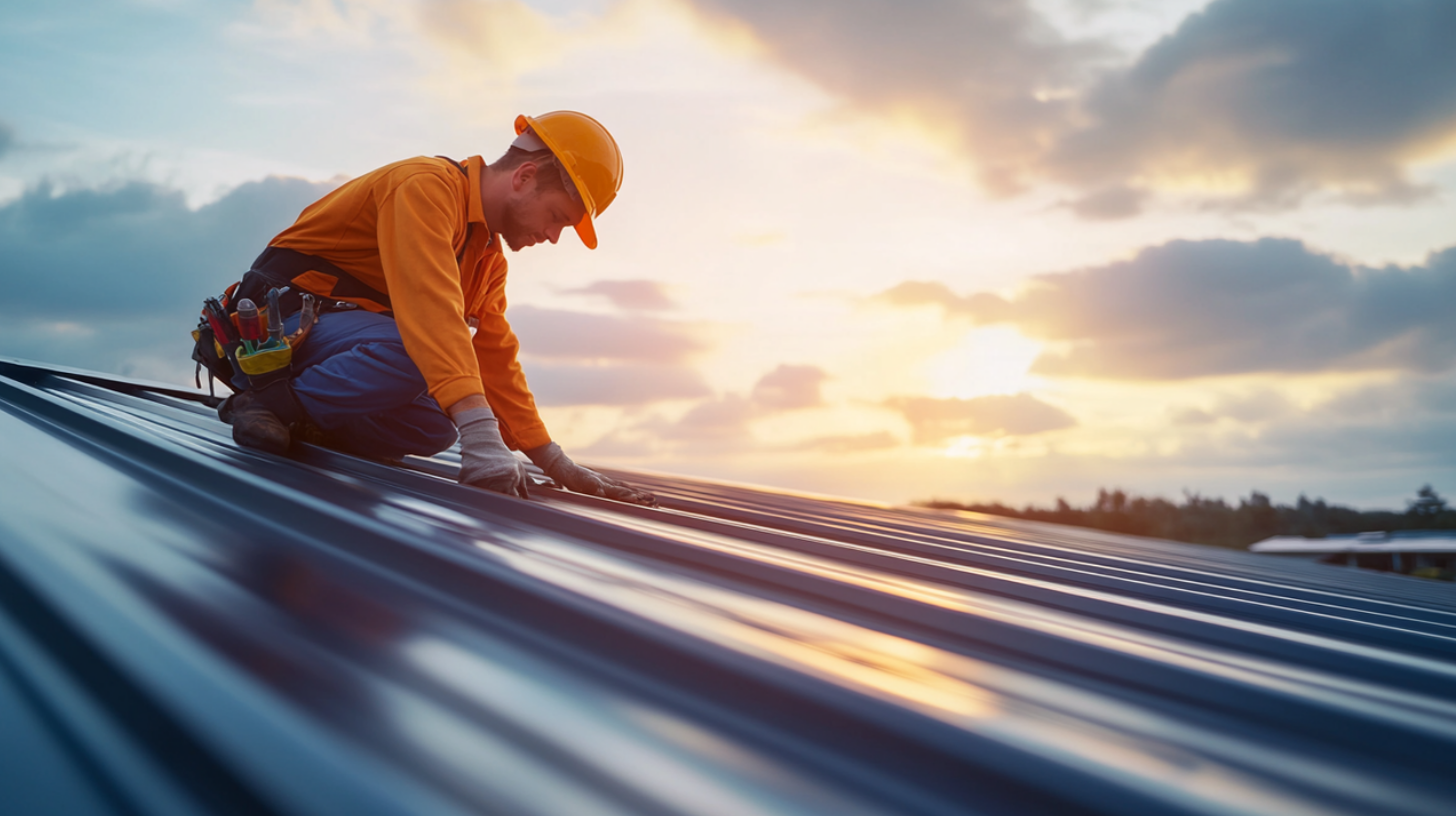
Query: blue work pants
[[355, 381]]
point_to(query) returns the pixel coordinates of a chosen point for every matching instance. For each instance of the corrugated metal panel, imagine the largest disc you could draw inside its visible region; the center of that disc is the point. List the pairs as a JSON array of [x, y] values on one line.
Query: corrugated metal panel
[[1407, 541], [190, 627]]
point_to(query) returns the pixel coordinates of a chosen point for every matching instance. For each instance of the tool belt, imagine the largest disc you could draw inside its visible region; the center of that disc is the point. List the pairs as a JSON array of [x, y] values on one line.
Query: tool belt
[[336, 289], [282, 282]]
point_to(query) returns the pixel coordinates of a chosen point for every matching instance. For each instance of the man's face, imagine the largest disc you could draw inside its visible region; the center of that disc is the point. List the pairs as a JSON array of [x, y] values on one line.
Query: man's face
[[535, 215]]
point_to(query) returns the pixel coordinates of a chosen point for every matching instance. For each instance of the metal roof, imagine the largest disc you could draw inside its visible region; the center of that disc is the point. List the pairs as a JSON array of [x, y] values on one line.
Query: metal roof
[[189, 627], [1401, 541]]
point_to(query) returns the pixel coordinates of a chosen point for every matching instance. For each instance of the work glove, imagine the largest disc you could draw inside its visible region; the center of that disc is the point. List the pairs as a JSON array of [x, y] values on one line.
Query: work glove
[[485, 461], [568, 474]]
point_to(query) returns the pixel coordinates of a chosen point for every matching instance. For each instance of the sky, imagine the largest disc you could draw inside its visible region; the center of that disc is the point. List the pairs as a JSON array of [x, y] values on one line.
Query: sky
[[987, 250]]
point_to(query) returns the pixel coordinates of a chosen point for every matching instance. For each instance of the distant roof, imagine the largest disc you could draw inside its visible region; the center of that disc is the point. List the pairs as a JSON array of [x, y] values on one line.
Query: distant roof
[[190, 627], [1405, 541]]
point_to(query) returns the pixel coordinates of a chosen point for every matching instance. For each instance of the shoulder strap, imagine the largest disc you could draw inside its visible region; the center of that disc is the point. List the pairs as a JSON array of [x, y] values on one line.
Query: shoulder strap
[[458, 165]]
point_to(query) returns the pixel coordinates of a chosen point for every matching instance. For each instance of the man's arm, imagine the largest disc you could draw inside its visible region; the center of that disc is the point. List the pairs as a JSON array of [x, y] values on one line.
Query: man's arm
[[500, 373], [496, 355], [418, 218], [471, 402], [485, 461]]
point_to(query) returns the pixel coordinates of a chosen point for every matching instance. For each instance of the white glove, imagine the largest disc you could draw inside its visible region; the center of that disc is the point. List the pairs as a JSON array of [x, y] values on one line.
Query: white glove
[[485, 461], [568, 474]]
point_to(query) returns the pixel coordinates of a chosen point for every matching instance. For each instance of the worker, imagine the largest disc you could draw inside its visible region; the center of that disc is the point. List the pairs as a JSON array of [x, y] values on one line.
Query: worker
[[412, 348]]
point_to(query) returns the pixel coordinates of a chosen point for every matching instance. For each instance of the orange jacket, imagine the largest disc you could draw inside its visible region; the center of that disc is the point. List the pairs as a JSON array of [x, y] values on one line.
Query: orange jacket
[[406, 230]]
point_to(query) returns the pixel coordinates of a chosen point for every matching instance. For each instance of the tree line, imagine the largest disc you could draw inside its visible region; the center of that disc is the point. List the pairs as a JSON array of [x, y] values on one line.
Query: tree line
[[1200, 520]]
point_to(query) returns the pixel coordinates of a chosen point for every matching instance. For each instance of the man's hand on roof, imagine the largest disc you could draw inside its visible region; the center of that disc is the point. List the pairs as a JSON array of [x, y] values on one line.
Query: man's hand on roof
[[568, 474], [485, 461]]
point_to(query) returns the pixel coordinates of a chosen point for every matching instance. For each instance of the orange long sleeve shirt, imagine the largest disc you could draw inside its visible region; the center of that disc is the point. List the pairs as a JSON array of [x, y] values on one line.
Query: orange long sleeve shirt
[[406, 230]]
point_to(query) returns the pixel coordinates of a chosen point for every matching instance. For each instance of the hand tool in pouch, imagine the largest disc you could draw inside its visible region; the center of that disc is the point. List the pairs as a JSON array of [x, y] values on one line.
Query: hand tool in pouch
[[264, 361]]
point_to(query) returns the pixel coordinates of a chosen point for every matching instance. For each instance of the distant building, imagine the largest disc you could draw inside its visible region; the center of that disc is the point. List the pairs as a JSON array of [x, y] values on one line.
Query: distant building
[[1422, 553]]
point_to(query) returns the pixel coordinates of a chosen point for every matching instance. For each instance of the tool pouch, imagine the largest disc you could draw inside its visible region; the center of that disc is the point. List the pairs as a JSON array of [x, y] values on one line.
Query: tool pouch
[[266, 366], [255, 285], [208, 353], [225, 358], [212, 352]]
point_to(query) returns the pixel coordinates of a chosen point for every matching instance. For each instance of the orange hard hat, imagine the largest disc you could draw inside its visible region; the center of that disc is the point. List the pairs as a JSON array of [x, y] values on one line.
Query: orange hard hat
[[590, 156]]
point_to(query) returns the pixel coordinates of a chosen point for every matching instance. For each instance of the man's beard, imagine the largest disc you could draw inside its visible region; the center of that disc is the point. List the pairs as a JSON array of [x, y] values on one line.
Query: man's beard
[[510, 229]]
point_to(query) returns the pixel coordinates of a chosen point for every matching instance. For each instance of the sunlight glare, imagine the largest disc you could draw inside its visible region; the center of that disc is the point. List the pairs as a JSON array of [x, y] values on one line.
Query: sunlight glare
[[991, 360], [965, 447]]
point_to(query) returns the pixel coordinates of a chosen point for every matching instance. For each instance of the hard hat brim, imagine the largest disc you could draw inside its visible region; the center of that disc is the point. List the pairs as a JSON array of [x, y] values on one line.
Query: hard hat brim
[[585, 229]]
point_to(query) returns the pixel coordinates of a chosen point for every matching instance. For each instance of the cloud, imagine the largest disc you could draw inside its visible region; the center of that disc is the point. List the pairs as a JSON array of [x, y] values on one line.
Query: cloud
[[1248, 103], [714, 426], [1192, 416], [989, 73], [1207, 308], [7, 139], [723, 419], [982, 306], [848, 443], [1437, 396], [560, 334], [1415, 443], [1407, 425], [135, 249], [936, 420], [788, 388], [1110, 203], [580, 358], [557, 384], [112, 279], [156, 349], [1393, 404], [723, 422], [506, 40], [1274, 100], [628, 295], [357, 21], [507, 35], [1258, 406]]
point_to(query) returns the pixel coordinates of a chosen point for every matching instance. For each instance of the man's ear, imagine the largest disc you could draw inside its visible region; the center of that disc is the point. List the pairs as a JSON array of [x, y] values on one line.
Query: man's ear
[[523, 177]]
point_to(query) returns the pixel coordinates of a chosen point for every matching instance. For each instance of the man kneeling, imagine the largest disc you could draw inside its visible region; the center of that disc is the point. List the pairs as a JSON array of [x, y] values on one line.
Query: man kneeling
[[412, 347]]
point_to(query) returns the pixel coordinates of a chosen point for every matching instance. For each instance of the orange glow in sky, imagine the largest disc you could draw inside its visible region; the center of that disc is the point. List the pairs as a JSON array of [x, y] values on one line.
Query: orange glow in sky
[[981, 251]]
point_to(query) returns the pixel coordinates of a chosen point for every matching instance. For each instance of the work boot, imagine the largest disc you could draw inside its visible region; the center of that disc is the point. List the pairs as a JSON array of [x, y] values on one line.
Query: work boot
[[225, 410], [262, 419], [307, 431]]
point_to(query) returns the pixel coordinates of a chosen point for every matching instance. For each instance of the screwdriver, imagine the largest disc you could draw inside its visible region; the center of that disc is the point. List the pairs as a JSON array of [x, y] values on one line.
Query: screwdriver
[[308, 311], [222, 327], [248, 325], [275, 319]]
